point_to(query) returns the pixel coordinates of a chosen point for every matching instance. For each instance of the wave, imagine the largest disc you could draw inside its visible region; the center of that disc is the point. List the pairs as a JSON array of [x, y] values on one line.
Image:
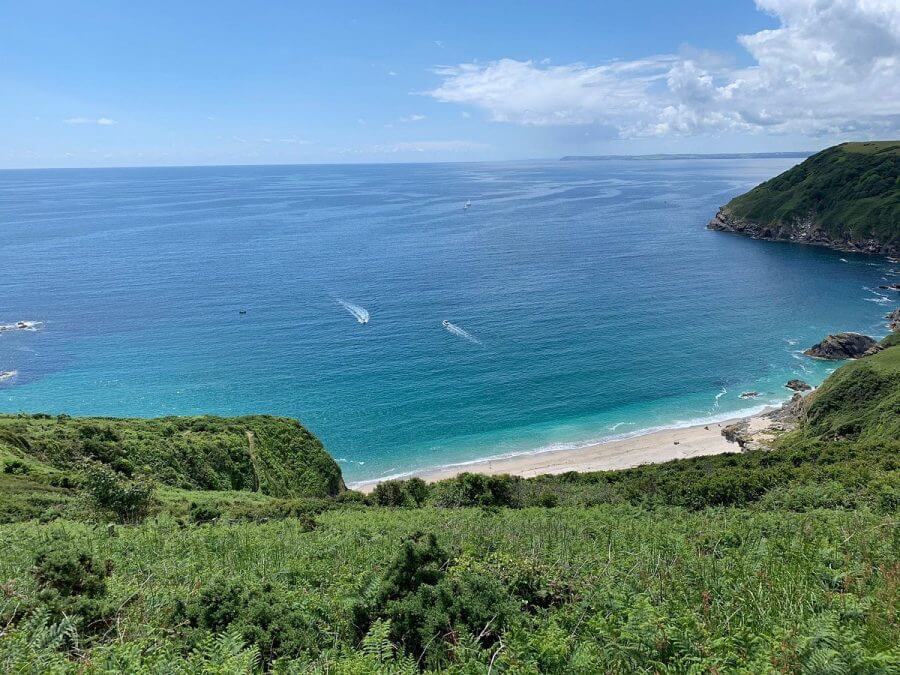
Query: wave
[[359, 313], [879, 299], [619, 424], [720, 395], [459, 332], [560, 447]]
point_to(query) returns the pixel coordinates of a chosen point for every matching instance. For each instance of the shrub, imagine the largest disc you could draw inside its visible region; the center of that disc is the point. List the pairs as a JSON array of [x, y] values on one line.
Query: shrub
[[412, 492], [472, 489], [428, 608], [204, 513], [16, 468], [259, 612], [72, 583], [126, 501]]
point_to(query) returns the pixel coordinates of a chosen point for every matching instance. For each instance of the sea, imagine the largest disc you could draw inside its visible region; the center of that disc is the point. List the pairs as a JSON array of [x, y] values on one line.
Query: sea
[[571, 302]]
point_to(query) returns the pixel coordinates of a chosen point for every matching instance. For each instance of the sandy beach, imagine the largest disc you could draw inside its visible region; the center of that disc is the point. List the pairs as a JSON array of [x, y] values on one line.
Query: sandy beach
[[650, 448]]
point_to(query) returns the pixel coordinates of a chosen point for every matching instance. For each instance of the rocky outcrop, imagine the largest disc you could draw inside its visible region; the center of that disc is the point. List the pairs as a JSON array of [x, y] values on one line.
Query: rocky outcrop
[[758, 433], [842, 346], [797, 385], [893, 319], [802, 231]]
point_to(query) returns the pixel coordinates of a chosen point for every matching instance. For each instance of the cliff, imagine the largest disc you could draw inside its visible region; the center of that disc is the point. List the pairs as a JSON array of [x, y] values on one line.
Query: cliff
[[846, 197]]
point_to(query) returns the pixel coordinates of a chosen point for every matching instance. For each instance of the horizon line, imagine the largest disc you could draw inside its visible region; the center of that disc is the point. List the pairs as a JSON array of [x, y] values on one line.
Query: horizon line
[[790, 154]]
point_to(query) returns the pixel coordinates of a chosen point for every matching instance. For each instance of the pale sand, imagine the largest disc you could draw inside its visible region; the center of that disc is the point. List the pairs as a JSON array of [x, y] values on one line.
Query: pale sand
[[651, 448]]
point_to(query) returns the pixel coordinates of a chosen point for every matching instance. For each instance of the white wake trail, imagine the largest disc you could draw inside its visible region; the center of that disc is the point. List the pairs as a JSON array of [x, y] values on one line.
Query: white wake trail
[[359, 313], [459, 332]]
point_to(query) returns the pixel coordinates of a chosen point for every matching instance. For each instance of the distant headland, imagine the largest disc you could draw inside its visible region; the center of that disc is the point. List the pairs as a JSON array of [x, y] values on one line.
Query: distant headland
[[720, 155]]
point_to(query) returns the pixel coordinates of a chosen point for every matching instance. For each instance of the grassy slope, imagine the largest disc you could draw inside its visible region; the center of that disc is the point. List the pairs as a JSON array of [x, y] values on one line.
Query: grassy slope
[[850, 189], [783, 561], [207, 453]]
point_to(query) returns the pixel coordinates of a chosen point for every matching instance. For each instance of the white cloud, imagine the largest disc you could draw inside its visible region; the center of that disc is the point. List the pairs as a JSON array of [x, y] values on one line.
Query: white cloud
[[100, 121], [412, 118], [831, 66]]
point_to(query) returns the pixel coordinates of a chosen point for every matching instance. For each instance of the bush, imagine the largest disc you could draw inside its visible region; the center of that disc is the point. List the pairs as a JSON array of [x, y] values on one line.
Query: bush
[[16, 468], [72, 583], [259, 612], [126, 501], [412, 492], [472, 489], [429, 606], [204, 513]]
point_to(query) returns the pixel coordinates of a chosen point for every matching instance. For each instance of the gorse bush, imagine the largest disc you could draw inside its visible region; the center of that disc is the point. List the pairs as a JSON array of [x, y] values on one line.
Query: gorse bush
[[258, 612], [472, 489], [411, 492], [126, 501], [71, 584], [428, 604]]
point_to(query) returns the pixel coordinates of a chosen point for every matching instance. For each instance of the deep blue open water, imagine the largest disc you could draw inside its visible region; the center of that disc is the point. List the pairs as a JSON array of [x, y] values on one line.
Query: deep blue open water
[[600, 303]]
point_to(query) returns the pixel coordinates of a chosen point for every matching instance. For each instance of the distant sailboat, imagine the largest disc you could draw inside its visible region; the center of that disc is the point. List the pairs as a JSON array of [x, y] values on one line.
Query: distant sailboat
[[467, 205]]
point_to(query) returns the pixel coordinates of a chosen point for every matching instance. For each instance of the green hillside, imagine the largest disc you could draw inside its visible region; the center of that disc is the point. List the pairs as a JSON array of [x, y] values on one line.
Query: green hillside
[[271, 455], [850, 192], [781, 561]]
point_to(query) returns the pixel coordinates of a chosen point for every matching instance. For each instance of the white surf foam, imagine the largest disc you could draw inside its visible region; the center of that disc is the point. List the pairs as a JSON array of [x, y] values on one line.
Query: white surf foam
[[557, 447]]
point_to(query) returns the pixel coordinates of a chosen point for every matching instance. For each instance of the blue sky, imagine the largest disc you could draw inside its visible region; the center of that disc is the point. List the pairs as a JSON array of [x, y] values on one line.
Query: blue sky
[[123, 84]]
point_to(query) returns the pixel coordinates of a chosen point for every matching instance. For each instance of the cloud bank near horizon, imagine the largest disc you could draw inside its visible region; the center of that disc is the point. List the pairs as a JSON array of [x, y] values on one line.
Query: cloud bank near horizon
[[831, 67]]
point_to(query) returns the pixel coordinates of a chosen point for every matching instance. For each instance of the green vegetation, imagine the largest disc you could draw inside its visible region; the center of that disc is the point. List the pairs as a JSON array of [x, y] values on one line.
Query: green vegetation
[[851, 191], [783, 561], [271, 455]]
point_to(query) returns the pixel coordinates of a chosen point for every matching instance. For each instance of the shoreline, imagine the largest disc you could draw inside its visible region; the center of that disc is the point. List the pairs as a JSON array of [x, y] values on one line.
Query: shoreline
[[653, 447]]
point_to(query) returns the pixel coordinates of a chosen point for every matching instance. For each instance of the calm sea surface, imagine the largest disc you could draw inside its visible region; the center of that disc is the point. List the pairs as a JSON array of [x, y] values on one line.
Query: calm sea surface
[[597, 303]]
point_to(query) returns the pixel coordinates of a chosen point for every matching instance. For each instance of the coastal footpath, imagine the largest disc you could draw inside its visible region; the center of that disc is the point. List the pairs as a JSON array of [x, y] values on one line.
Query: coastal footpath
[[846, 197]]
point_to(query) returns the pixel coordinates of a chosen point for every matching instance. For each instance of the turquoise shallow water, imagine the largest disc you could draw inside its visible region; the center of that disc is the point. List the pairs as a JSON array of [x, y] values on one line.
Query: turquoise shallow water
[[600, 303]]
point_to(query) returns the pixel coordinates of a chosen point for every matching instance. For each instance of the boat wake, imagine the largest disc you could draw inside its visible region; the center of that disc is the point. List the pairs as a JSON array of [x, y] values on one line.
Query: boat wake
[[459, 332], [359, 313]]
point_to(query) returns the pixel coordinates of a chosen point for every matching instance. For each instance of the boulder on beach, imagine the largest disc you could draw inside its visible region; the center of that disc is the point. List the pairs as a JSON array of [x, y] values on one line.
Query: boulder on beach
[[841, 346], [797, 385]]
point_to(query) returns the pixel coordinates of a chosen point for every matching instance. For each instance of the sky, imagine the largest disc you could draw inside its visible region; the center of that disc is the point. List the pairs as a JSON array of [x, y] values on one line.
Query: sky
[[103, 83]]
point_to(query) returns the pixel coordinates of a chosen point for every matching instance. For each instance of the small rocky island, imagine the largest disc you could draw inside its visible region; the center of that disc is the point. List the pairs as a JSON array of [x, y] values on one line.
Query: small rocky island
[[842, 346], [797, 385]]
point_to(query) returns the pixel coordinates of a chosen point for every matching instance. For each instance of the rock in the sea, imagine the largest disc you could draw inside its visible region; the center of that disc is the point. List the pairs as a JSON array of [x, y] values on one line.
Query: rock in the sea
[[893, 319], [749, 394], [890, 287], [797, 385], [841, 346]]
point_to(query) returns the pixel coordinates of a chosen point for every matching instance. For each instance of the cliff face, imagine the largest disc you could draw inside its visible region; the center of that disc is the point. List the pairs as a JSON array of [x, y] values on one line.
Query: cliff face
[[846, 197], [801, 231]]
